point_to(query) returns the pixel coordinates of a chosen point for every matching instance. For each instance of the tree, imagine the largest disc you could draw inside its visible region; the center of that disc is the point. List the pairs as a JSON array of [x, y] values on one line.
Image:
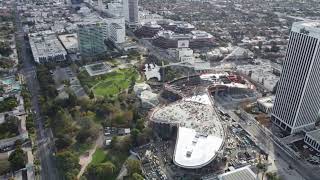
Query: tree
[[134, 135], [72, 100], [63, 142], [140, 124], [114, 142], [5, 49], [101, 171], [272, 176], [91, 94], [261, 168], [68, 164], [17, 159], [133, 166], [88, 132], [136, 176]]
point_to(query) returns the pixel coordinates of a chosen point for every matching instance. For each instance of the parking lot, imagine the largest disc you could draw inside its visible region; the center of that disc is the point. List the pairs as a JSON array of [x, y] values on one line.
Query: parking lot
[[63, 76]]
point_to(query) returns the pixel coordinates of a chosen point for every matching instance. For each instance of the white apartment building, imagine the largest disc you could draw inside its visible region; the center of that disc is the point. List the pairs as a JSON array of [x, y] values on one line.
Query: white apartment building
[[297, 102]]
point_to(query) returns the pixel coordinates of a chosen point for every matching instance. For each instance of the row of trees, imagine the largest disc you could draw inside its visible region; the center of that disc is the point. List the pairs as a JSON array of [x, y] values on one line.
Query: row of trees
[[8, 104], [9, 128]]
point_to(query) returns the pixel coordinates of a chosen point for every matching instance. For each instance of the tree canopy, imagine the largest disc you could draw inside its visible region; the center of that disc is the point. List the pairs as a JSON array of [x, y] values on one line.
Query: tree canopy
[[17, 159]]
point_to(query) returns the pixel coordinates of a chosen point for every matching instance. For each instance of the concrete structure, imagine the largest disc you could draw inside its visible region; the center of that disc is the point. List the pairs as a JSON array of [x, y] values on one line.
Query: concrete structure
[[265, 104], [148, 29], [116, 9], [171, 39], [47, 48], [312, 138], [261, 72], [244, 173], [131, 11], [185, 55], [113, 31], [70, 42], [297, 101], [91, 38], [152, 71], [200, 133], [117, 33]]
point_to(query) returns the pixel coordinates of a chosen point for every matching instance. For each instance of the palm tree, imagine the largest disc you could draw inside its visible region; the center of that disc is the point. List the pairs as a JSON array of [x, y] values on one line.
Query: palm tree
[[261, 168]]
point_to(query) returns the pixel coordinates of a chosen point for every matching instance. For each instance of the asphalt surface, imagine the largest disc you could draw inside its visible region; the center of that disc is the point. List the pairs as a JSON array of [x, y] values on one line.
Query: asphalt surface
[[44, 138], [303, 168]]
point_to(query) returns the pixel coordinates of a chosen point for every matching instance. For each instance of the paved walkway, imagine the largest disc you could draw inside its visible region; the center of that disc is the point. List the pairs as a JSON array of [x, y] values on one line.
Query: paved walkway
[[85, 159], [123, 172]]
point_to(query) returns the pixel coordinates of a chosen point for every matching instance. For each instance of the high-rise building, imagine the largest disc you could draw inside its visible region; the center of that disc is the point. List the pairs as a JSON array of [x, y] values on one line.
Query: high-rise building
[[91, 38], [131, 11], [117, 34], [297, 102]]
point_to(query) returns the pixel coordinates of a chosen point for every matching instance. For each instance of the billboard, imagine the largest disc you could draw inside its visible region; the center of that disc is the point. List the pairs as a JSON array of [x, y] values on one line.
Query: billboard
[[183, 43]]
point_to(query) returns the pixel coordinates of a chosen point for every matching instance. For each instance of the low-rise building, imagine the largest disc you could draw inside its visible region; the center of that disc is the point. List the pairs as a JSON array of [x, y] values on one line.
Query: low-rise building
[[244, 173], [185, 55], [70, 42], [47, 48], [312, 138]]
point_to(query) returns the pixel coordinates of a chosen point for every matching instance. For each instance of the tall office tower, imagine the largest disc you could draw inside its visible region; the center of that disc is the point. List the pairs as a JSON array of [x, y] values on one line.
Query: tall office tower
[[131, 11], [297, 102], [91, 38]]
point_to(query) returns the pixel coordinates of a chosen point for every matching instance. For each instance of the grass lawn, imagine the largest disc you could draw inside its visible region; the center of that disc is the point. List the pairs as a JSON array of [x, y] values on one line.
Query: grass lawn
[[102, 156], [99, 156], [110, 84], [4, 166], [115, 82]]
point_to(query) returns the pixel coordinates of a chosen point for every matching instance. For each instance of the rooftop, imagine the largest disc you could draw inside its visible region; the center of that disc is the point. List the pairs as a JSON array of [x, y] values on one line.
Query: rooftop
[[267, 101], [311, 28], [69, 40], [45, 46], [315, 134], [244, 173], [200, 134], [116, 26]]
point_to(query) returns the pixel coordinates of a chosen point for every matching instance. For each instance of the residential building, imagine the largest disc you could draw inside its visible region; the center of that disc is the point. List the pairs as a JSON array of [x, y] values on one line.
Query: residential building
[[91, 38], [297, 102]]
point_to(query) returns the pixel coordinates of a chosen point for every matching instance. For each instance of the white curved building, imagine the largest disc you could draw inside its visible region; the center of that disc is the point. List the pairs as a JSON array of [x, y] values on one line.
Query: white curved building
[[200, 133]]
